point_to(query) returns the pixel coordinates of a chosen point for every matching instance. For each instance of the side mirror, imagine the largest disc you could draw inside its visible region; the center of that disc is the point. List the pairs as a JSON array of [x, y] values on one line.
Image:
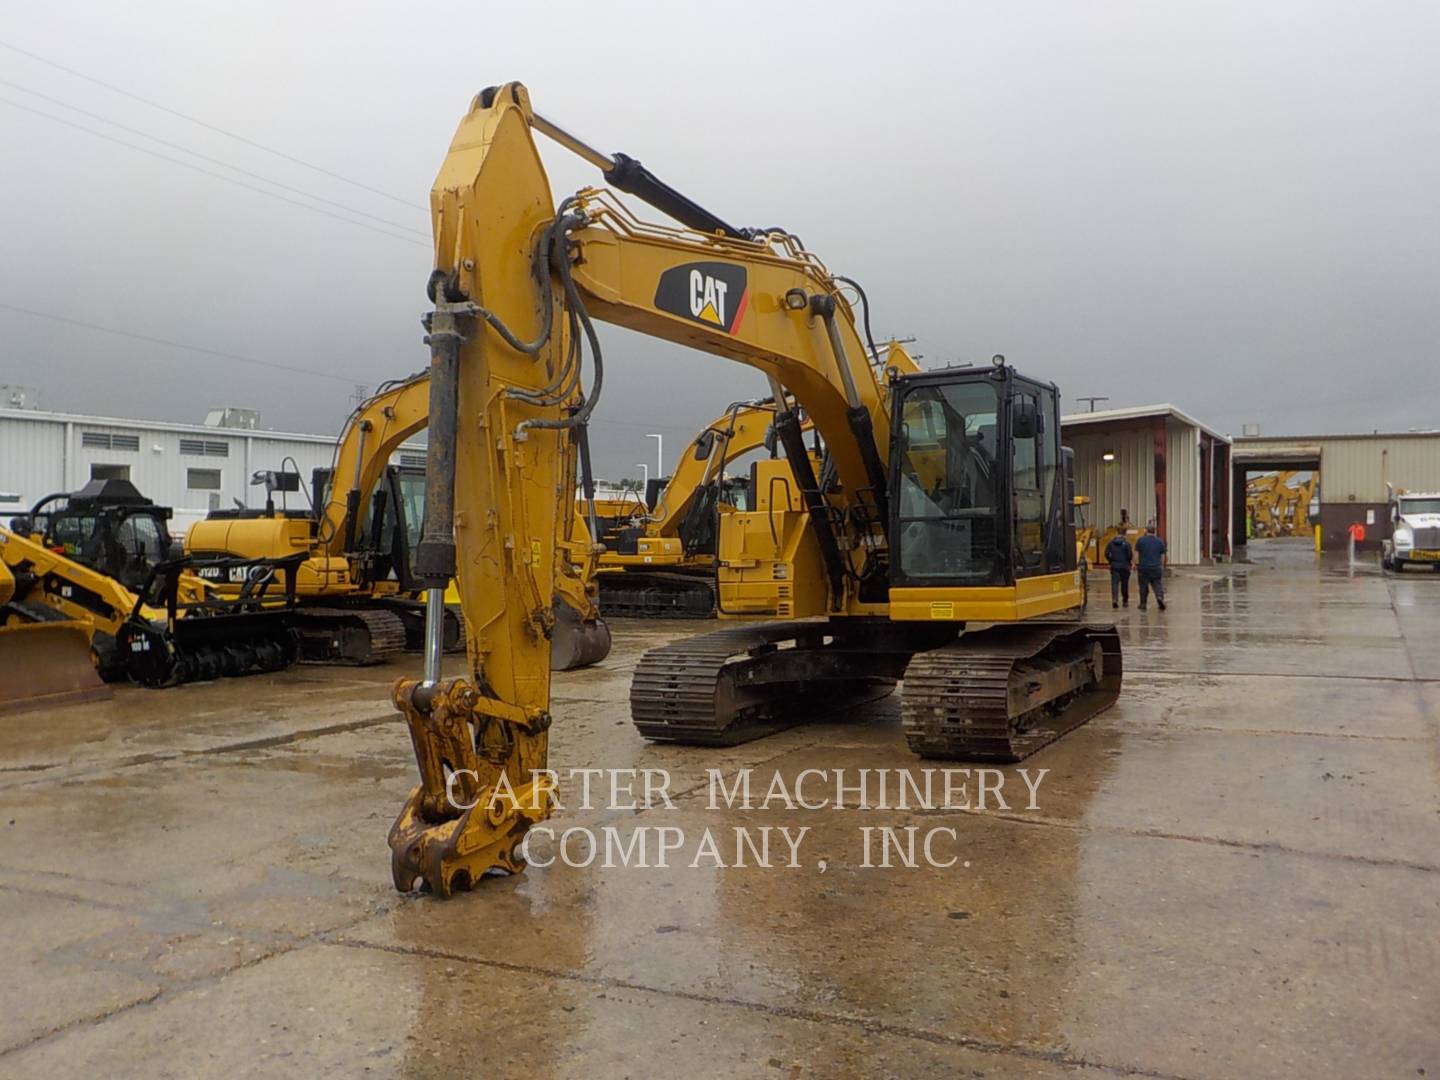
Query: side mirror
[[1024, 420], [704, 444]]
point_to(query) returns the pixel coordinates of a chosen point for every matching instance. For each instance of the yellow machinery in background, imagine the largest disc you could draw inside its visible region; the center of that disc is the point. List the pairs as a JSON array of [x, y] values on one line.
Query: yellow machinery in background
[[43, 663], [1278, 503], [768, 562], [102, 557], [357, 601], [944, 502], [662, 562]]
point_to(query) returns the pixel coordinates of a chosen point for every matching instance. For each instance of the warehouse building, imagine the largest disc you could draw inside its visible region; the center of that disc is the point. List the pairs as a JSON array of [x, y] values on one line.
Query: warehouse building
[[1354, 470], [1157, 464], [193, 468]]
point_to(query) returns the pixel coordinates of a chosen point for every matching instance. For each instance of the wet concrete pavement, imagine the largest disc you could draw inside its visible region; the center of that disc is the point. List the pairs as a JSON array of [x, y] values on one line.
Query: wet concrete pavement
[[1234, 872]]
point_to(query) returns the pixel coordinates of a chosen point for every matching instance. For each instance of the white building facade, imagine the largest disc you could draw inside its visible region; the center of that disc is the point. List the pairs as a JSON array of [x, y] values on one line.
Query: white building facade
[[190, 467]]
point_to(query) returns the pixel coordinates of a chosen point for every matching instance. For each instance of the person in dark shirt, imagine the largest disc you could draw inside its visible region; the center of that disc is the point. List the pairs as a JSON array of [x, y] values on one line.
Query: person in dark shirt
[[1150, 559], [1118, 554]]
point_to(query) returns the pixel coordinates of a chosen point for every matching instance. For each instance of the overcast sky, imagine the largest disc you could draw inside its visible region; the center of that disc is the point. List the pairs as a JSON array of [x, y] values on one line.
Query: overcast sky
[[1231, 207]]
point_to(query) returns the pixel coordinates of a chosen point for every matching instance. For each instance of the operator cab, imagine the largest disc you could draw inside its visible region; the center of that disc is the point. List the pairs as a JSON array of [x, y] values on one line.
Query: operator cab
[[387, 532], [977, 479], [108, 526]]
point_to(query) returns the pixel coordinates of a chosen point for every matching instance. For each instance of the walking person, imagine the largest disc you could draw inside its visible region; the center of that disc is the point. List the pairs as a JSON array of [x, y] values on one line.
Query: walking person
[[1118, 554], [1150, 561]]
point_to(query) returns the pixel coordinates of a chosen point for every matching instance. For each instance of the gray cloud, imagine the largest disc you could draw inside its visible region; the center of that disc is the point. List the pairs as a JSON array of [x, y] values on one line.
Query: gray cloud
[[1230, 207]]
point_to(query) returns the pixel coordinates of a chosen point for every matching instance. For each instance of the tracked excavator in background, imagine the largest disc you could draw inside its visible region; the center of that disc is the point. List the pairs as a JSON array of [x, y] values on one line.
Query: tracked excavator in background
[[943, 502], [660, 563], [103, 557], [357, 600]]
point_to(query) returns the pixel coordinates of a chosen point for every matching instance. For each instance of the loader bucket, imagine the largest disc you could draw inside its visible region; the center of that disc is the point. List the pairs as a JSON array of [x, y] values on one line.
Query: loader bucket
[[47, 663]]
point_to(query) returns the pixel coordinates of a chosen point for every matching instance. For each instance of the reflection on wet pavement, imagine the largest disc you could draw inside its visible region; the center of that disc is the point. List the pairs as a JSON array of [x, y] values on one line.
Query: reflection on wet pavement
[[1234, 872]]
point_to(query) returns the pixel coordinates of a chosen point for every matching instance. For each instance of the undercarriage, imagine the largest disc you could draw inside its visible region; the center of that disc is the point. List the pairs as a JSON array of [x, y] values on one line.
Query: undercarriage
[[997, 694]]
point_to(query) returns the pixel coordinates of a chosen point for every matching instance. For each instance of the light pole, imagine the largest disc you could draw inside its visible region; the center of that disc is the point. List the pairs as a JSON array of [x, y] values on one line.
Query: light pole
[[644, 478], [659, 453]]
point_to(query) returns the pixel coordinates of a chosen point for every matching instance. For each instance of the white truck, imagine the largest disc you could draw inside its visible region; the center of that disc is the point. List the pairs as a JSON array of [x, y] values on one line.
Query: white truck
[[1414, 530]]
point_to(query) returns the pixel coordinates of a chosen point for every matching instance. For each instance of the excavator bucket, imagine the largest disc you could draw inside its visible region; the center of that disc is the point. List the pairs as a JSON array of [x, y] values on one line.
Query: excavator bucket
[[47, 663]]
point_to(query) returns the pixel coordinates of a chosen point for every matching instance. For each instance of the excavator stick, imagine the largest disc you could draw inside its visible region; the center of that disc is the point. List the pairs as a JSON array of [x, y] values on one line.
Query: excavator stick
[[44, 664], [1003, 693]]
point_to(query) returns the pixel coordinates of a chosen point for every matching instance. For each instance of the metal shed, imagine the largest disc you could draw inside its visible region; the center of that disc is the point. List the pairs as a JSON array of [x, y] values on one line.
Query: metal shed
[[1354, 470], [1160, 465]]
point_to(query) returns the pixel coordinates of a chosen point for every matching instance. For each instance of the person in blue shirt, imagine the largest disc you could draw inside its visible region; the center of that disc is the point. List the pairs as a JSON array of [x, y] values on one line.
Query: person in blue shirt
[[1118, 554], [1150, 559]]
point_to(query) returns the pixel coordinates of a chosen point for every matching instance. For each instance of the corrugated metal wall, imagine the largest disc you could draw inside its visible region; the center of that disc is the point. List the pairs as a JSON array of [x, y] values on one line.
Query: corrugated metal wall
[[1360, 467], [1128, 482], [1182, 493], [1356, 469], [31, 455]]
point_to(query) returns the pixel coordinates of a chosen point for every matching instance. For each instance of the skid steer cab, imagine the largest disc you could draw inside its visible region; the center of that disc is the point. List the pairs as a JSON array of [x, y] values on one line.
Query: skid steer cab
[[108, 526]]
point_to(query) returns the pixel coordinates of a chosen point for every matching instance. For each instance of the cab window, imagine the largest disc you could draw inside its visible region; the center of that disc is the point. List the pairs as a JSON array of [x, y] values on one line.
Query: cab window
[[949, 483]]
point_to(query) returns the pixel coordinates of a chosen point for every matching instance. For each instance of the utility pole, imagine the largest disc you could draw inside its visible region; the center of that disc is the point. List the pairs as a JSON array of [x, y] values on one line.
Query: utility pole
[[1092, 400]]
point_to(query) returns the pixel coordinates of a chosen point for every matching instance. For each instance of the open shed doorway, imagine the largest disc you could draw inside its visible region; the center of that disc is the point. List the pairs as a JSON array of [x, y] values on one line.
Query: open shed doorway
[[1277, 507]]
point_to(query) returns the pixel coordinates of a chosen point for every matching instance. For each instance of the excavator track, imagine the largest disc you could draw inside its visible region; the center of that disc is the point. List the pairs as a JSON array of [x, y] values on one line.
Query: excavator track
[[1003, 693], [348, 635], [412, 614], [745, 682], [656, 595]]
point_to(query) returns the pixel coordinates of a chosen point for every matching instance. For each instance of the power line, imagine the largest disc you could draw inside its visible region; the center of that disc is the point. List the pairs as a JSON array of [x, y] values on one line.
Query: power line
[[203, 123], [207, 172], [349, 380], [206, 157]]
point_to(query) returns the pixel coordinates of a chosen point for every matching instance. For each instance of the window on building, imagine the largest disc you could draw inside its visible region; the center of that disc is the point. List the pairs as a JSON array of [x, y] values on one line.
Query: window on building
[[109, 472], [415, 461], [202, 479], [205, 447], [105, 440]]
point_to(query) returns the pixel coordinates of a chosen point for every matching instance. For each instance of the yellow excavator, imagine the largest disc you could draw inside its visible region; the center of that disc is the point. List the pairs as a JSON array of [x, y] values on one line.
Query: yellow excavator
[[356, 600], [1278, 503], [661, 562], [943, 501]]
